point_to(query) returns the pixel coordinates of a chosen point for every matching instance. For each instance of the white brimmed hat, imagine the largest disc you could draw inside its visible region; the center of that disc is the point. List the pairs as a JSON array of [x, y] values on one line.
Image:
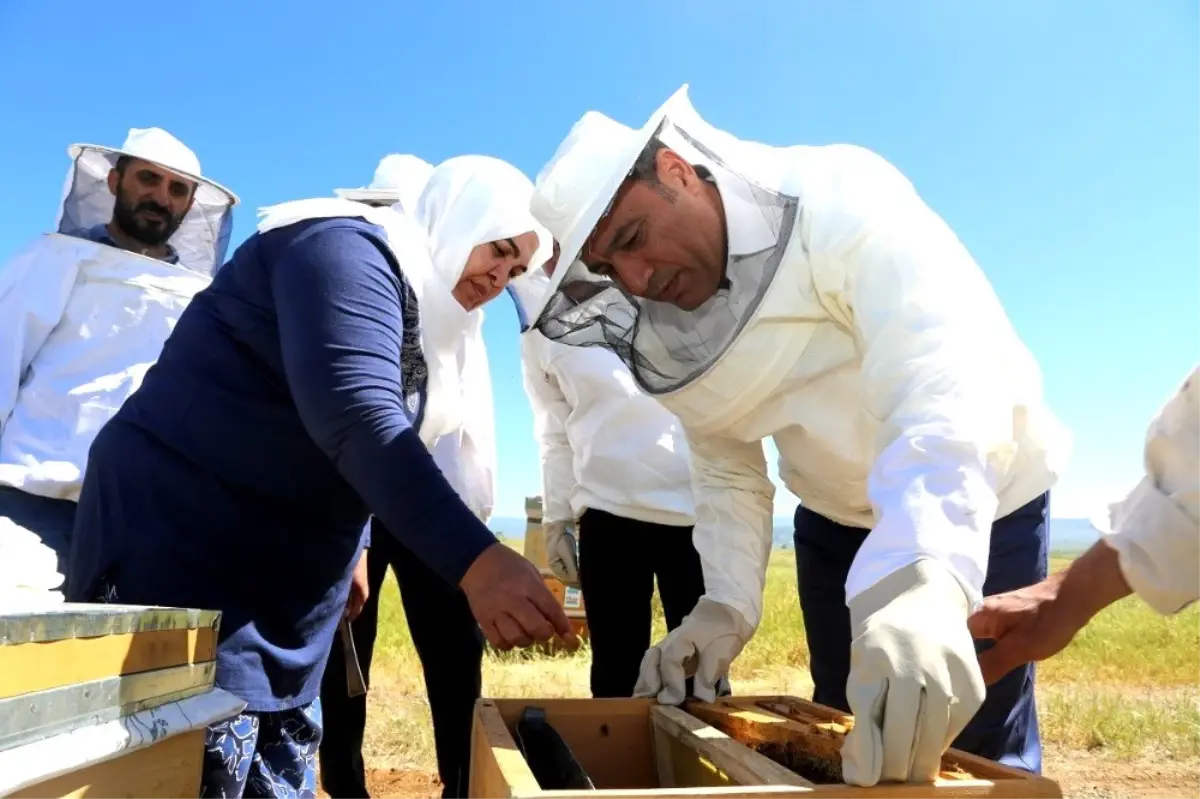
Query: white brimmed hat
[[574, 190], [161, 148], [399, 178], [203, 235]]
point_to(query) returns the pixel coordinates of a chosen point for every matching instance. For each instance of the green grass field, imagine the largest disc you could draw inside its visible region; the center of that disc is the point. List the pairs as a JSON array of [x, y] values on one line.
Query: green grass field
[[1123, 698]]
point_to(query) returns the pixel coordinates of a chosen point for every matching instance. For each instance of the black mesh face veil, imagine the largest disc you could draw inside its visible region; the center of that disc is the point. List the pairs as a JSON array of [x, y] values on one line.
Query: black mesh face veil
[[201, 239], [664, 346]]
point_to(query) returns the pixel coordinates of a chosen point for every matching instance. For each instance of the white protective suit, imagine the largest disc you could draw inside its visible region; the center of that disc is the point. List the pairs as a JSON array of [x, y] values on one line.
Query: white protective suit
[[854, 329], [814, 351], [467, 201], [1156, 529], [467, 457], [604, 444], [81, 322]]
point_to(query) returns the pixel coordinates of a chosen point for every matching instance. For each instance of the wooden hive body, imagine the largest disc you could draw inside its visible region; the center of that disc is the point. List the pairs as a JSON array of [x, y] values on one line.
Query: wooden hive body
[[535, 552], [636, 748], [107, 700]]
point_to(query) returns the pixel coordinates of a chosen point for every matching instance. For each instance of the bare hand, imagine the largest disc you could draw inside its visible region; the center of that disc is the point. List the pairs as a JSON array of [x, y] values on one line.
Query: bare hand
[[511, 602], [1034, 623], [360, 590], [1028, 625]]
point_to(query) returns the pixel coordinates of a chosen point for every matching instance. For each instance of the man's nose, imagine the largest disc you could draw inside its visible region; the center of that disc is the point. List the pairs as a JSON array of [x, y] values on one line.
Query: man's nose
[[634, 274], [160, 195]]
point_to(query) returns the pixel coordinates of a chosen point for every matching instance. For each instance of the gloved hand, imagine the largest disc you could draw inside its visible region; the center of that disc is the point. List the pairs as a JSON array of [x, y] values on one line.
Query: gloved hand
[[710, 637], [562, 552], [914, 678]]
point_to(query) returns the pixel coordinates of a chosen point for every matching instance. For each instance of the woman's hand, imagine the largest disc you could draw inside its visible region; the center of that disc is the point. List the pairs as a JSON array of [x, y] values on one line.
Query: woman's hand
[[511, 602], [360, 590]]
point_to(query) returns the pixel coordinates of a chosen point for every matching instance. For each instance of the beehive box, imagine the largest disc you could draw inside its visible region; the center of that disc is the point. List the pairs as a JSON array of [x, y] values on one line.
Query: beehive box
[[744, 747], [71, 670]]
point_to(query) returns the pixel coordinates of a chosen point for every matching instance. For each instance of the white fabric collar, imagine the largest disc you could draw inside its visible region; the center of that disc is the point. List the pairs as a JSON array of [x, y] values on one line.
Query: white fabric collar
[[745, 228]]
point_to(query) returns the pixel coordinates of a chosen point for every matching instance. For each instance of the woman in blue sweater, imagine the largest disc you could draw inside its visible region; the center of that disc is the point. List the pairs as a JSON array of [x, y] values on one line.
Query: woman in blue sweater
[[298, 395]]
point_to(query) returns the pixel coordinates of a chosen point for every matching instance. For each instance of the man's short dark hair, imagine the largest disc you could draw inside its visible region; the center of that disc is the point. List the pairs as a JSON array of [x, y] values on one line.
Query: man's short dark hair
[[122, 162], [645, 168]]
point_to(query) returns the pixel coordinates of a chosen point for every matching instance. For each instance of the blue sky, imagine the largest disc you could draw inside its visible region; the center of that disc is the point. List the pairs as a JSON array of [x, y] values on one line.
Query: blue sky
[[1059, 139]]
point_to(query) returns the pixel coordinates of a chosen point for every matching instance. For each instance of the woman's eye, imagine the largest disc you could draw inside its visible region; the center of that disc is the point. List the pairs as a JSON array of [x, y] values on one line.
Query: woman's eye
[[499, 252], [517, 271]]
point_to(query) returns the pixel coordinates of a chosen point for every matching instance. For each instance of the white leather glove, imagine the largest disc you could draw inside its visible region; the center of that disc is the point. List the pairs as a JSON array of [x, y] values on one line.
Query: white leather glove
[[709, 638], [562, 552], [914, 678]]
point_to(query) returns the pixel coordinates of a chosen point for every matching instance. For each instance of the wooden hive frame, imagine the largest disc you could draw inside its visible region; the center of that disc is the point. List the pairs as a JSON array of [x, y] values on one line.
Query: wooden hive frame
[[636, 749], [811, 736]]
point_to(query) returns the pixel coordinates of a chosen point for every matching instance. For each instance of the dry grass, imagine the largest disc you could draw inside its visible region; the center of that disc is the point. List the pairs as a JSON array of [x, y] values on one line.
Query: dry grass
[[1126, 689]]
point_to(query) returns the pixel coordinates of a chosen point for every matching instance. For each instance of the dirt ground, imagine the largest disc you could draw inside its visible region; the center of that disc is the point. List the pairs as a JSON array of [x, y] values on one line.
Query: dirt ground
[[391, 782], [1081, 774], [384, 782], [1078, 773]]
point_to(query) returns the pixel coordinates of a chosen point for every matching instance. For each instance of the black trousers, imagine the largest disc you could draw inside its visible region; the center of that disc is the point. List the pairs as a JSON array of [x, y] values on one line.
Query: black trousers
[[448, 642], [619, 560]]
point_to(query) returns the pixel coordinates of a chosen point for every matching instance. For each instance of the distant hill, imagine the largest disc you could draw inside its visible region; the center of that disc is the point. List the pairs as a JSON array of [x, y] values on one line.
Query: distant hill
[[1067, 536]]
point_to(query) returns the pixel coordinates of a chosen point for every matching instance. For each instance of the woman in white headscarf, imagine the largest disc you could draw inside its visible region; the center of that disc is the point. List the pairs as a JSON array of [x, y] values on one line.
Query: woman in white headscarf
[[298, 396], [448, 641], [468, 456]]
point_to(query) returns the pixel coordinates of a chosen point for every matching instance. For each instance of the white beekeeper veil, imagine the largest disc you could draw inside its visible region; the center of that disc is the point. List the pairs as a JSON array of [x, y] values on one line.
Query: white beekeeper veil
[[399, 180], [202, 237], [664, 346]]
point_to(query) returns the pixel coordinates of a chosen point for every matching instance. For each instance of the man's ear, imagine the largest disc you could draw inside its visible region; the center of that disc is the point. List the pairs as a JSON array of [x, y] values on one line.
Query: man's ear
[[674, 170], [114, 180]]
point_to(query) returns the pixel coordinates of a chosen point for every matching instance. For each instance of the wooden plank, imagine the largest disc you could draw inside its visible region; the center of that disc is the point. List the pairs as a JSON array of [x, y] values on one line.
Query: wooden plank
[[498, 771], [25, 668], [664, 755], [735, 764], [169, 769]]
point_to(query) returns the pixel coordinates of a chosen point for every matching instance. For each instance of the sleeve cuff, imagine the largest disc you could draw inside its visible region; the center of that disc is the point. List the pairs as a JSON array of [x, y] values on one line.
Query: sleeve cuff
[[1158, 547], [746, 607]]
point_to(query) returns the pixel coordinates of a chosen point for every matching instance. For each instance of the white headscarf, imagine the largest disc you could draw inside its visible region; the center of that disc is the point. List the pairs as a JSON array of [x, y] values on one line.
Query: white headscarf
[[468, 201]]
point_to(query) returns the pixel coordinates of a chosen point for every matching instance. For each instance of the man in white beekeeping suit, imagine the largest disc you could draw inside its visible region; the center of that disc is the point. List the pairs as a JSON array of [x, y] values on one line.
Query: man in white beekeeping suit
[[615, 460], [445, 634], [807, 294], [84, 312], [1150, 547]]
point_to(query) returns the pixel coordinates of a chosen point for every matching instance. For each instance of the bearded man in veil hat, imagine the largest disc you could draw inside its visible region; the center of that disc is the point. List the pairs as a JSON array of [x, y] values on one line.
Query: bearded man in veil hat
[[84, 312]]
